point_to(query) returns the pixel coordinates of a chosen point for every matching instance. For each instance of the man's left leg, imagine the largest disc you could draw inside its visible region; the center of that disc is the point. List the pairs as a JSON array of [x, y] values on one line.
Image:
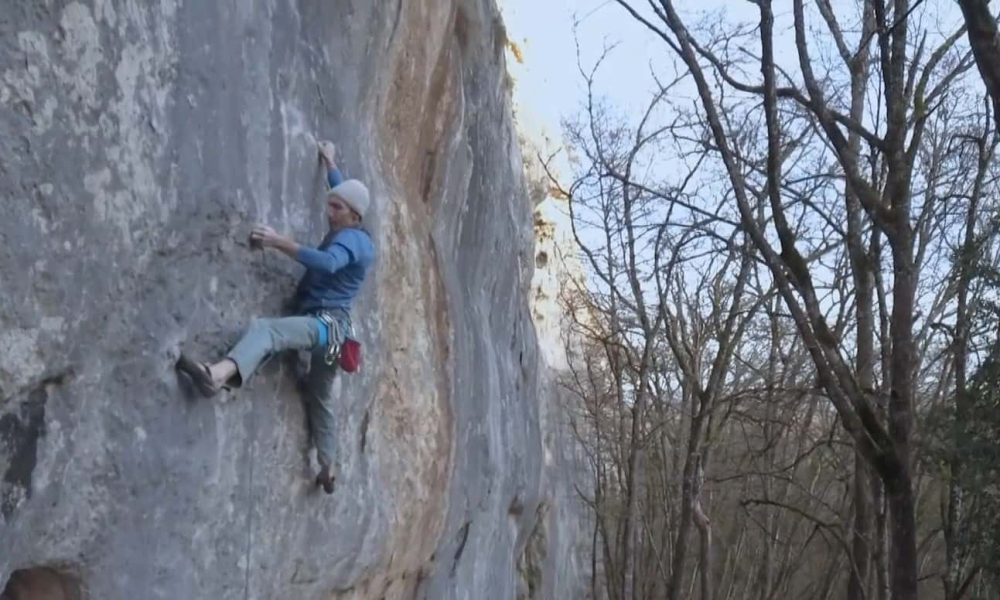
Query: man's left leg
[[317, 391], [263, 338]]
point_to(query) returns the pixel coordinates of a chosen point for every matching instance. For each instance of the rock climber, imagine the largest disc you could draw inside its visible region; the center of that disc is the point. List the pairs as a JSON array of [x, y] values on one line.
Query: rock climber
[[335, 270]]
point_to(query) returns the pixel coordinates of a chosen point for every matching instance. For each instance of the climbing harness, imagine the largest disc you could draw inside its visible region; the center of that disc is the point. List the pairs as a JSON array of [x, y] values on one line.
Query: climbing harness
[[343, 348]]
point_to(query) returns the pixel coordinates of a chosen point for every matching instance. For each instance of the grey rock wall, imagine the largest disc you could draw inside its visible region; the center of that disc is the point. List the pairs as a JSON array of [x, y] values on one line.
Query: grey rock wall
[[139, 141]]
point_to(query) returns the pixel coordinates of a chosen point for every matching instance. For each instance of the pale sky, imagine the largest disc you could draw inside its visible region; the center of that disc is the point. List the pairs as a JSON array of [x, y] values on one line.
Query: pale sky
[[549, 87]]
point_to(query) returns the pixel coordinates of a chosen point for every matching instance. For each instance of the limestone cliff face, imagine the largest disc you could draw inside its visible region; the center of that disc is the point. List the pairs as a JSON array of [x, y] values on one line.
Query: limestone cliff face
[[139, 141]]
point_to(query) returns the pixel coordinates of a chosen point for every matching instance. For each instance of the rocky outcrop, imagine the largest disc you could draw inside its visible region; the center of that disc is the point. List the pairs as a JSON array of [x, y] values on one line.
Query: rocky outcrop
[[139, 141]]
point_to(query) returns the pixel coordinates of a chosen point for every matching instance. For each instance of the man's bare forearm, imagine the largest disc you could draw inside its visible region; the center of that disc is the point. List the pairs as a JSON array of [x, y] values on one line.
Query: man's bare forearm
[[287, 246]]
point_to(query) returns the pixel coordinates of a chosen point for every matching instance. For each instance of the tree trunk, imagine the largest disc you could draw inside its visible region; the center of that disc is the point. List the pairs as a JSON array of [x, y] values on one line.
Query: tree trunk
[[857, 583], [880, 536], [684, 523], [902, 533], [862, 266], [985, 42], [631, 510], [704, 525], [954, 525]]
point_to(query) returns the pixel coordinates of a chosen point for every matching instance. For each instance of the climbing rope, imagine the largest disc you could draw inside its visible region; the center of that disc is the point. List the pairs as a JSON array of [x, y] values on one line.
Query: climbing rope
[[252, 498], [252, 504]]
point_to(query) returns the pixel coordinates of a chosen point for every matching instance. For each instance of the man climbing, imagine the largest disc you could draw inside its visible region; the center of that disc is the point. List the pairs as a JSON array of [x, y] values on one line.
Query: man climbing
[[334, 273]]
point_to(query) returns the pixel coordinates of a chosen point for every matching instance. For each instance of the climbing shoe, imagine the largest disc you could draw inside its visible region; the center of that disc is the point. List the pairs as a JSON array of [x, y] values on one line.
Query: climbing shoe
[[325, 479], [199, 375]]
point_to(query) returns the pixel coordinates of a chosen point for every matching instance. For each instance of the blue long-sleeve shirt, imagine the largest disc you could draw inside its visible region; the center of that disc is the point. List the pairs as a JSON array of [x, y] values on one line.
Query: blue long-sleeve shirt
[[334, 177], [336, 268]]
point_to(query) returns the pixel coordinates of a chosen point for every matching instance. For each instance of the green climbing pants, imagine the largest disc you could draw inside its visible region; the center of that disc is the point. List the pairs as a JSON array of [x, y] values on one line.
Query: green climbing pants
[[266, 337]]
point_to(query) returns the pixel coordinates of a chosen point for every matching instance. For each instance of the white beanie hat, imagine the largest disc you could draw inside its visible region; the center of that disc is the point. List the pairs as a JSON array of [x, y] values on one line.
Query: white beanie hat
[[354, 194]]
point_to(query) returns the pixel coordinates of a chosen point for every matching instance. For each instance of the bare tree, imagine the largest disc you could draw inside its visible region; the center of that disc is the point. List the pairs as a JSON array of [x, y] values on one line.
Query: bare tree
[[664, 346], [881, 203], [784, 290]]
